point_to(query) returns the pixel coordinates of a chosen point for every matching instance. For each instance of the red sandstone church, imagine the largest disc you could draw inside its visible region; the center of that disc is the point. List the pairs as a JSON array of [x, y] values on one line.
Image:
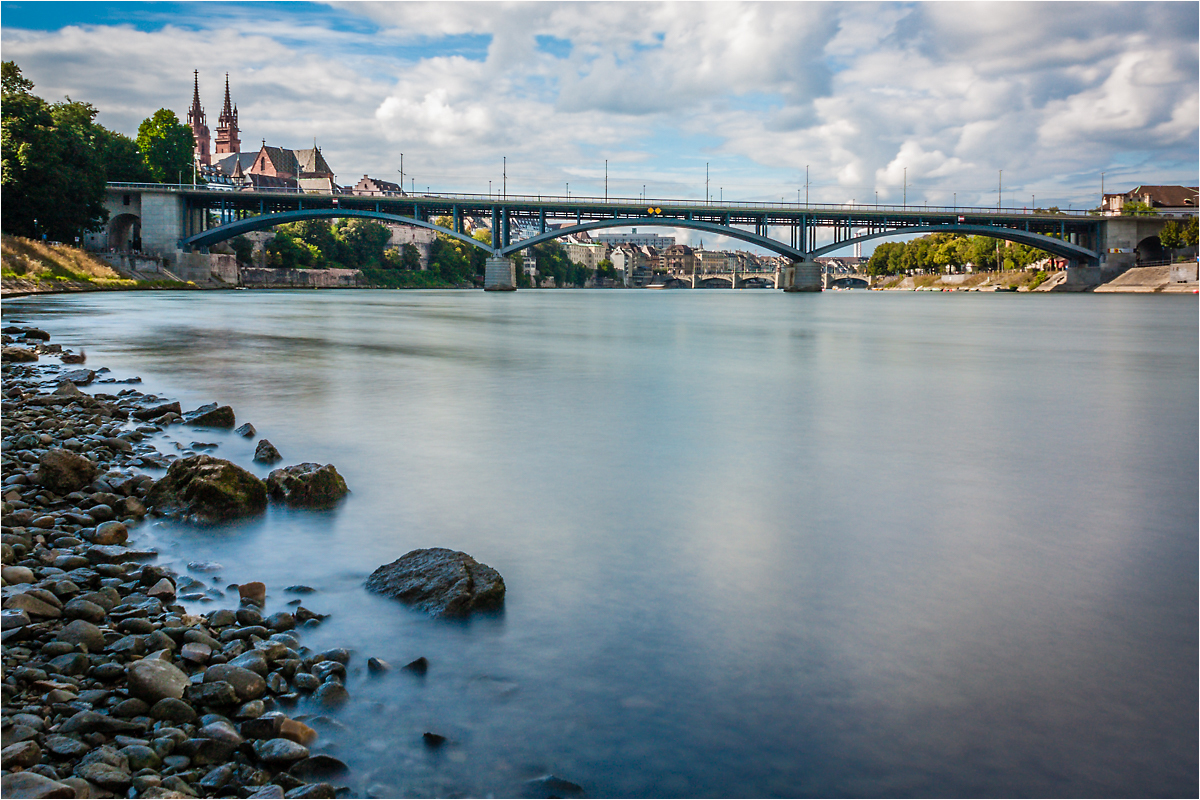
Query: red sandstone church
[[267, 168]]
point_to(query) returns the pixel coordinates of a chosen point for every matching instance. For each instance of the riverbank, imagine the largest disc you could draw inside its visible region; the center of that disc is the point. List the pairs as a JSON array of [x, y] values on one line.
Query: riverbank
[[112, 687], [30, 267], [1178, 278]]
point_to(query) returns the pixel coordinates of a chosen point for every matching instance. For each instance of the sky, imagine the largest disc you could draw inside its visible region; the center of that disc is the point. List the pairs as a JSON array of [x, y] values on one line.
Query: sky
[[945, 103]]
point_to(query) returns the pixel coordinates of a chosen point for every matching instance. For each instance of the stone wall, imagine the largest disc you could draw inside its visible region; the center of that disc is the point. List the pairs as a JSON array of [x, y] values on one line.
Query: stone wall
[[305, 278]]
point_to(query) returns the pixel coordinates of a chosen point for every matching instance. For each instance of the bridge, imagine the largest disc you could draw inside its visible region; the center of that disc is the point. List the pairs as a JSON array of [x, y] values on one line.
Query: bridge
[[173, 221]]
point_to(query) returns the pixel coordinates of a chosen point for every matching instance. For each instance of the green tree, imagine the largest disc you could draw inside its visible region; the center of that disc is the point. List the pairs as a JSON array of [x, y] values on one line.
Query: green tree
[[1190, 232], [122, 160], [287, 252], [51, 175], [1137, 208], [167, 147], [410, 257], [365, 241], [243, 248]]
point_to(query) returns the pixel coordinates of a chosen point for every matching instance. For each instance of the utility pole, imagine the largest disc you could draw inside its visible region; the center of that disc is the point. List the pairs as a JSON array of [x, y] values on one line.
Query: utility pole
[[606, 180], [1000, 191], [706, 194], [905, 200], [806, 185], [402, 173], [504, 174], [568, 190], [1101, 192]]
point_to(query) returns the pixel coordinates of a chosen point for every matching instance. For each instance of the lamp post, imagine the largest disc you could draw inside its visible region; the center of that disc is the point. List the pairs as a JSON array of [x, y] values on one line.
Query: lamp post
[[504, 174], [806, 185], [568, 190], [1000, 191], [606, 180], [706, 195], [905, 195]]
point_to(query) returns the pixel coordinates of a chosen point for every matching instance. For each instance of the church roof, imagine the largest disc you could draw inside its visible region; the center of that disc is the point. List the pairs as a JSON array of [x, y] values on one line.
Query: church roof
[[282, 159], [311, 161], [227, 162]]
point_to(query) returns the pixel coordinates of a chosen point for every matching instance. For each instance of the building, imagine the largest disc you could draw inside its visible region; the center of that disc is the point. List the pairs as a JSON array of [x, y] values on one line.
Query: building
[[265, 169], [708, 261], [1168, 201], [679, 259], [636, 239], [374, 187], [582, 250]]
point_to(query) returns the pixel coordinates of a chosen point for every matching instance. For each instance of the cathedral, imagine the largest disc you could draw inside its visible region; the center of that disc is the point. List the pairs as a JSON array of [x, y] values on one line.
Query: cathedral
[[263, 169]]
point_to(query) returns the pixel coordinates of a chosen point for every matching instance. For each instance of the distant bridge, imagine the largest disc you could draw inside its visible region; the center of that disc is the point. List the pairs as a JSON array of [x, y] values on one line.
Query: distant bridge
[[175, 219]]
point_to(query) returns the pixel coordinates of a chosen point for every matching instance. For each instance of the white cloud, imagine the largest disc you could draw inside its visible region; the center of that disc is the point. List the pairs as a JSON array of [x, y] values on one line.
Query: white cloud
[[1050, 93]]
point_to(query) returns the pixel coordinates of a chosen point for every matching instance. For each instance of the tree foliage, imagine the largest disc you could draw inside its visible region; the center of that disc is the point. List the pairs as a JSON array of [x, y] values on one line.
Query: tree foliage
[[1175, 236], [53, 175], [167, 146], [950, 252], [1136, 208]]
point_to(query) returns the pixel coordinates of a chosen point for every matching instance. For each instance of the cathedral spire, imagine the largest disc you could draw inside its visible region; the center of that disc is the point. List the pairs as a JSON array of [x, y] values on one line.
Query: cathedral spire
[[197, 123], [227, 125], [226, 111]]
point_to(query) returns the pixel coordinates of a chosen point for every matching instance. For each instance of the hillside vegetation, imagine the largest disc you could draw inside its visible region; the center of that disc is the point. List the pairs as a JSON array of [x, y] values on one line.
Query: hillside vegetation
[[26, 261]]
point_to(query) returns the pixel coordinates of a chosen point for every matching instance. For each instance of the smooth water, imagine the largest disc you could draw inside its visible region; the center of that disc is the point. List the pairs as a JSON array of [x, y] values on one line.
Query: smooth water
[[755, 544]]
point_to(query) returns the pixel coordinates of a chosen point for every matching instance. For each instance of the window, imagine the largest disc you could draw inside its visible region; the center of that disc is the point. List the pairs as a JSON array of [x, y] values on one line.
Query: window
[[125, 199]]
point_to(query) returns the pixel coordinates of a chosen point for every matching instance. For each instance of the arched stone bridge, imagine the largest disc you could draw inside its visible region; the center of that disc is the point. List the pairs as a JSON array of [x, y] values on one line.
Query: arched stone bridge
[[175, 219]]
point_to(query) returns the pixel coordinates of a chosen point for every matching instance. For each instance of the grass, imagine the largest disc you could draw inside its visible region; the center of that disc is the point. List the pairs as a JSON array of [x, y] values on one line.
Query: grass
[[29, 260]]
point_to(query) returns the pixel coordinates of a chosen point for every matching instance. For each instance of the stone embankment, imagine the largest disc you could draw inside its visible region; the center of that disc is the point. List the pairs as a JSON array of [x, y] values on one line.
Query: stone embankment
[[111, 688]]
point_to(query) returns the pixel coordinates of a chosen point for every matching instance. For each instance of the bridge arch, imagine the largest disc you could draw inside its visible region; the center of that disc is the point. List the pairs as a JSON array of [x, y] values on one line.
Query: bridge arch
[[764, 242], [264, 221], [1057, 247]]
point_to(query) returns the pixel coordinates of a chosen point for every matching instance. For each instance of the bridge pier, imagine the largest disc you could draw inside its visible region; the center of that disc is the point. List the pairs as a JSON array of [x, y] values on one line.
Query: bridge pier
[[1082, 276], [499, 275], [799, 276]]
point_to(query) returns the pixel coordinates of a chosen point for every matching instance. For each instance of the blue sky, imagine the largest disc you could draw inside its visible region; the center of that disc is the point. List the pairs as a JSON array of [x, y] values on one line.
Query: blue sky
[[864, 95]]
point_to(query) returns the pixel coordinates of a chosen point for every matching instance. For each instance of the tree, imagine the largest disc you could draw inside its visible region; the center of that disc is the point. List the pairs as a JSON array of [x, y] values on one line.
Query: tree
[[1136, 208], [365, 241], [167, 146], [122, 160], [243, 248], [1190, 232], [410, 257], [52, 181]]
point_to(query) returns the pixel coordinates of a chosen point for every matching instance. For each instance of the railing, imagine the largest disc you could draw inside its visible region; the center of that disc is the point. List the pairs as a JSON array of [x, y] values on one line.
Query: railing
[[576, 201]]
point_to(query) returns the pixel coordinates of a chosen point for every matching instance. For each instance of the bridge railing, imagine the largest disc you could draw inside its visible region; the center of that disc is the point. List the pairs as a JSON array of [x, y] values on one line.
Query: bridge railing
[[574, 201]]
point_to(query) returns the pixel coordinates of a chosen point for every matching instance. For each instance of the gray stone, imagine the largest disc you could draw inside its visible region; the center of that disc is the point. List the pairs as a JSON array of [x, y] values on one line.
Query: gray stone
[[82, 632], [441, 582], [30, 784], [254, 660], [66, 747], [266, 453], [247, 684], [104, 775], [247, 430], [279, 751], [307, 485], [331, 695], [111, 532], [219, 693], [171, 709], [154, 679], [84, 610], [21, 754], [211, 416], [141, 757], [323, 791]]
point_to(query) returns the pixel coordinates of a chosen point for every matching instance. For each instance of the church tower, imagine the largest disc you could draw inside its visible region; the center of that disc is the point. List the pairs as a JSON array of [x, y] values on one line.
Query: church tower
[[227, 126], [195, 119]]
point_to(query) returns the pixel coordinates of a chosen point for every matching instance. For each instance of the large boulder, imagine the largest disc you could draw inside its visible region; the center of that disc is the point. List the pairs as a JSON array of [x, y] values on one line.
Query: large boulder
[[307, 485], [442, 582], [152, 680], [63, 472], [208, 489]]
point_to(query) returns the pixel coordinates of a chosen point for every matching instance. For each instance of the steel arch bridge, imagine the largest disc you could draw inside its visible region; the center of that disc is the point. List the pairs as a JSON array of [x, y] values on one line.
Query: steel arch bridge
[[795, 231]]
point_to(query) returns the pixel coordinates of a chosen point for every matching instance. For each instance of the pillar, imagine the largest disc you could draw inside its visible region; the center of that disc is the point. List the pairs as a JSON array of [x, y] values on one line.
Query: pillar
[[499, 275], [799, 276]]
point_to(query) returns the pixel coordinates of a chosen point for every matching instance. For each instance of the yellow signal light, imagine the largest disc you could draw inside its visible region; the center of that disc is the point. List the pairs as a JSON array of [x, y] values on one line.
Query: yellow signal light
[[650, 211]]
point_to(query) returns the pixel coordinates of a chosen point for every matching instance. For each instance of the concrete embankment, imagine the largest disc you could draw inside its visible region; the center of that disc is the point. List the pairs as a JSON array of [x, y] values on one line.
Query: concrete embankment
[[1170, 279]]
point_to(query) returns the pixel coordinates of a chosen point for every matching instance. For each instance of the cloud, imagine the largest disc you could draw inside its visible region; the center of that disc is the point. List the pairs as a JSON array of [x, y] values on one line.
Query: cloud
[[954, 92]]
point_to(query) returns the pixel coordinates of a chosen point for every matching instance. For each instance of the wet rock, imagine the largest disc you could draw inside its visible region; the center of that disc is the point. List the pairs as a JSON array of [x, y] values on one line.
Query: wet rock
[[319, 767], [253, 592], [208, 489], [105, 775], [269, 792], [30, 784], [247, 684], [307, 485], [377, 665], [108, 532], [156, 411], [331, 694], [218, 693], [153, 679], [63, 472], [66, 747], [324, 791], [264, 727], [552, 786], [21, 754], [420, 666], [170, 709], [246, 430], [17, 355], [266, 453], [297, 731], [433, 740], [210, 416], [133, 707], [79, 377], [279, 751], [441, 582], [32, 605], [196, 652], [164, 589]]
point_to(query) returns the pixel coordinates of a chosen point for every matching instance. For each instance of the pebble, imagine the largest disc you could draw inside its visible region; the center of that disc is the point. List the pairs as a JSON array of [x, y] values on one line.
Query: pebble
[[110, 687]]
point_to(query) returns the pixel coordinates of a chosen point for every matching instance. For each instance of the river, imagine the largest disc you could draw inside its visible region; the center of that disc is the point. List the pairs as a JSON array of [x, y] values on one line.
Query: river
[[756, 544]]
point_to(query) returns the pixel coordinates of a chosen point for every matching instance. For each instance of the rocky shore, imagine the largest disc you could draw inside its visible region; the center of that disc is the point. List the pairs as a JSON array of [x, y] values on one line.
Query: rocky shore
[[111, 688]]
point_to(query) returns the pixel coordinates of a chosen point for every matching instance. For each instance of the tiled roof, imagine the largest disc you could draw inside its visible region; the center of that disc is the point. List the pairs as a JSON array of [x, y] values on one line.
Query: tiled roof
[[1166, 196]]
